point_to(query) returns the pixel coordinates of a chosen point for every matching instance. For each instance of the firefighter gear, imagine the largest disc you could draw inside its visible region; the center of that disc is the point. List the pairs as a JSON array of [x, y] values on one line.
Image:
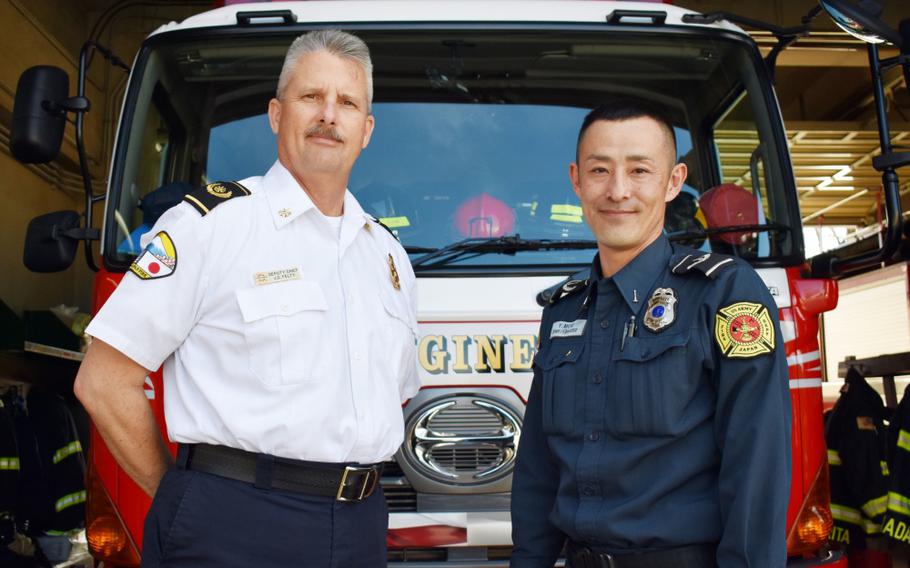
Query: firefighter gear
[[857, 459], [9, 474], [62, 461], [896, 524], [42, 491]]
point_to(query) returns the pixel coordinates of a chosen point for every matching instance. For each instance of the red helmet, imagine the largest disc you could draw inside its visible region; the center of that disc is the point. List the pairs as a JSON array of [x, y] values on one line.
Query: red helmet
[[729, 205], [484, 216]]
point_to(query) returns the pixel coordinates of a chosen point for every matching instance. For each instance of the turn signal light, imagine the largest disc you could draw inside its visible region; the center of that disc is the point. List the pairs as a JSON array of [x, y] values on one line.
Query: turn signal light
[[814, 521], [107, 537]]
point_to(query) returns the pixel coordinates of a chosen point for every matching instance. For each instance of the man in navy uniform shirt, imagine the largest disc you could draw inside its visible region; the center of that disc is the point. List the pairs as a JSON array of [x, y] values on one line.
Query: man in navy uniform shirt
[[657, 432]]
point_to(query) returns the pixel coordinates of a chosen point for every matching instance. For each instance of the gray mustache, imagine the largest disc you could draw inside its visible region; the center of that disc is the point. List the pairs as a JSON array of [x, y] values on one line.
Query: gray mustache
[[328, 132]]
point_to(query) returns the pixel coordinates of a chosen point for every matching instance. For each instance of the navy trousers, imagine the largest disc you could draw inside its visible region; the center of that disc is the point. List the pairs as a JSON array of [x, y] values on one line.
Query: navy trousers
[[200, 520]]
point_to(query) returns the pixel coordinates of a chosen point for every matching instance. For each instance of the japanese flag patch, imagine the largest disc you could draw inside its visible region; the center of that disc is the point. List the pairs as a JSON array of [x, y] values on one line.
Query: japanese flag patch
[[744, 329], [158, 260]]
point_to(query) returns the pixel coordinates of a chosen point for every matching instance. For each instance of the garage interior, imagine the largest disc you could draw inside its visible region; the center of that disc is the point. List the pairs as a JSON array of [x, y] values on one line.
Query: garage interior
[[822, 83]]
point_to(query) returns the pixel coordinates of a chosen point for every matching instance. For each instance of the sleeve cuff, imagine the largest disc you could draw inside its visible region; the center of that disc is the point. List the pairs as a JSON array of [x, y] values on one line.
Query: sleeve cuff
[[122, 343]]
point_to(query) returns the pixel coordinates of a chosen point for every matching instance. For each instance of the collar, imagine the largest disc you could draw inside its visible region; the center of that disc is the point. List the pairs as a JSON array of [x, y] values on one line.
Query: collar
[[286, 198], [287, 201], [636, 279]]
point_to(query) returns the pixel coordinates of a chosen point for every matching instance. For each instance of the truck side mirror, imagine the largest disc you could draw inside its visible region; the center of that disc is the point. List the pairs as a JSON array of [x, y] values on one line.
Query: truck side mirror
[[50, 245], [39, 114], [861, 20]]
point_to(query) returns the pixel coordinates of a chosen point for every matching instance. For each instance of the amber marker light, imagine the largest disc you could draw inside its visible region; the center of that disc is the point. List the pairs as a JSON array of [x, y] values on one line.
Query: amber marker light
[[814, 521], [107, 537]]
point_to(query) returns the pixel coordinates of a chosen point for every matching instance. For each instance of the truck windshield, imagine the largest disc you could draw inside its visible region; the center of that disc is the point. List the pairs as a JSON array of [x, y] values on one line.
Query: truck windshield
[[475, 132]]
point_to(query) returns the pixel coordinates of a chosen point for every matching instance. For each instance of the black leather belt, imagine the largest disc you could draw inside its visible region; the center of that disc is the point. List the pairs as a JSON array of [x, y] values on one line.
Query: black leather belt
[[343, 482], [701, 555]]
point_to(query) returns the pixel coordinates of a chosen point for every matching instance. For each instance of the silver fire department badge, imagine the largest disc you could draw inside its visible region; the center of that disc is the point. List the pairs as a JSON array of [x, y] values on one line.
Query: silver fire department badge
[[660, 312]]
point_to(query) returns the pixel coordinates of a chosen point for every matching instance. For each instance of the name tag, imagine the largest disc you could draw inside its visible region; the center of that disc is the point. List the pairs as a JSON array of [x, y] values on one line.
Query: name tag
[[272, 276], [568, 328]]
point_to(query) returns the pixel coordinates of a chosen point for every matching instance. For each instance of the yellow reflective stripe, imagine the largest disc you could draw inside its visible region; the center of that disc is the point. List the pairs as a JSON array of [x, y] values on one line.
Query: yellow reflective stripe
[[903, 440], [876, 507], [566, 218], [898, 503], [885, 471], [9, 464], [70, 500], [66, 451], [565, 209], [395, 222], [566, 213], [871, 528], [847, 514], [833, 457]]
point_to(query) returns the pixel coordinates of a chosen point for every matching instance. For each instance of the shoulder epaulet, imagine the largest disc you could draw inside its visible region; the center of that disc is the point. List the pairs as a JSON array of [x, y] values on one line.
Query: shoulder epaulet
[[204, 199], [571, 285], [384, 226], [709, 264]]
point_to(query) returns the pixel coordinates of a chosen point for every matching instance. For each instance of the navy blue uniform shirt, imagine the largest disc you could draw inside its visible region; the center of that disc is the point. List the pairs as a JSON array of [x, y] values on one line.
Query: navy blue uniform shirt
[[674, 433]]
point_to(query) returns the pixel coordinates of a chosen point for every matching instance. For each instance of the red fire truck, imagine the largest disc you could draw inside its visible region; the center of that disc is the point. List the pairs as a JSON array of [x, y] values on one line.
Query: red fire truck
[[477, 108]]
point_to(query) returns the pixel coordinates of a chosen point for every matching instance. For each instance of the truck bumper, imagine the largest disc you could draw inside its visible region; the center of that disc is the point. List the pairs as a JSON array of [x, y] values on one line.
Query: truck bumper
[[829, 559]]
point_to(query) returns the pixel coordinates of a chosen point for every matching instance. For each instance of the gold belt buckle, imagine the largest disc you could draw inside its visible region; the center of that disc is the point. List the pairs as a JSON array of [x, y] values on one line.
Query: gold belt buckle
[[369, 482]]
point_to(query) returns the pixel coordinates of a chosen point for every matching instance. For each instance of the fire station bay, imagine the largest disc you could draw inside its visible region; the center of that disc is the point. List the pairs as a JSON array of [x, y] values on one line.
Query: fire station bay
[[450, 283]]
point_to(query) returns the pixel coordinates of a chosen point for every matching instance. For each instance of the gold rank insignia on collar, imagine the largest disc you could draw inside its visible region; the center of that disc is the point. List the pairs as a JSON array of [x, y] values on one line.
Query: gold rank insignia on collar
[[284, 213], [393, 272], [661, 311]]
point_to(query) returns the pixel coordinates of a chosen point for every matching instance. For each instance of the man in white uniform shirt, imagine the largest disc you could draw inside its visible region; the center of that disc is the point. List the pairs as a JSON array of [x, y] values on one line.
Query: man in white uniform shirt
[[285, 318]]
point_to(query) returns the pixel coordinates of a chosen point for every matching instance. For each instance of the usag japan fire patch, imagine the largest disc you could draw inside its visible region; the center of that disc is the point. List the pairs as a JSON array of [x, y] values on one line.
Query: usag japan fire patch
[[158, 260], [744, 329]]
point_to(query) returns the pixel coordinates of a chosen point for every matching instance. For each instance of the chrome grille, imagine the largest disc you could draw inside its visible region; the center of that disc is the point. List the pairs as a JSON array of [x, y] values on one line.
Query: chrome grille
[[463, 440], [467, 459], [465, 420], [400, 498], [399, 495]]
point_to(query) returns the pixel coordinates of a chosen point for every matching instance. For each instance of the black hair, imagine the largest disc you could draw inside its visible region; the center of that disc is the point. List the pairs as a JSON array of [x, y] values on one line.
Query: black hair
[[620, 109]]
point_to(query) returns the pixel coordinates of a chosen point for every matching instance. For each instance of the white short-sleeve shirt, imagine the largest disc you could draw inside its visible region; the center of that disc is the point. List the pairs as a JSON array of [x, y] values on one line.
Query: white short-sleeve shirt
[[278, 333]]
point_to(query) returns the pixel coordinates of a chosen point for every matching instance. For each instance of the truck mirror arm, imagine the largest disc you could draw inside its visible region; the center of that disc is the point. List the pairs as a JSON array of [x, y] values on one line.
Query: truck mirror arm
[[80, 105], [785, 36], [886, 163]]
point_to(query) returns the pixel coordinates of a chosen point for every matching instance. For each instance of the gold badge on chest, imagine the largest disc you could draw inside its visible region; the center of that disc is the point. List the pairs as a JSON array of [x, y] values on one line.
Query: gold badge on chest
[[661, 310], [393, 273]]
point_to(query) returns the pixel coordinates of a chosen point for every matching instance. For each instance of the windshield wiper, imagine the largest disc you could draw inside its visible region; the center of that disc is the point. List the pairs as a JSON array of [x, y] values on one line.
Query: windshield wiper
[[412, 249], [505, 245], [690, 233]]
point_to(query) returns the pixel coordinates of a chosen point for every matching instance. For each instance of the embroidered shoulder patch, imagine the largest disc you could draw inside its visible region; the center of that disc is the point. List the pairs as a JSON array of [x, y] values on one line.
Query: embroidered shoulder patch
[[206, 198], [744, 330], [158, 260]]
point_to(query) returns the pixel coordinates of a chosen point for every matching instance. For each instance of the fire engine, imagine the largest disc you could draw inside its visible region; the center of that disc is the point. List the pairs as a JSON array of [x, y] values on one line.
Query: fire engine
[[477, 108]]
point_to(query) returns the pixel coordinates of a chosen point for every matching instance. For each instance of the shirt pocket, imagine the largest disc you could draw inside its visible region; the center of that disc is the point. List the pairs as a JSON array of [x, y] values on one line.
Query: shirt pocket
[[558, 368], [653, 381], [397, 342], [282, 326]]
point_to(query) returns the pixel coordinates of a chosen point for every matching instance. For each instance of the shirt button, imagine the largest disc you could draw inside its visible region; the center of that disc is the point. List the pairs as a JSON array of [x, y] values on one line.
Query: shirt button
[[588, 490], [597, 379], [594, 436], [284, 308], [604, 324]]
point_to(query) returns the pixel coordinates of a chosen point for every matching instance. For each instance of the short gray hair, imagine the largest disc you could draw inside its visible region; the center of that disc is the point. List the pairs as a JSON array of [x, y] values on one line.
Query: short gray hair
[[338, 43]]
